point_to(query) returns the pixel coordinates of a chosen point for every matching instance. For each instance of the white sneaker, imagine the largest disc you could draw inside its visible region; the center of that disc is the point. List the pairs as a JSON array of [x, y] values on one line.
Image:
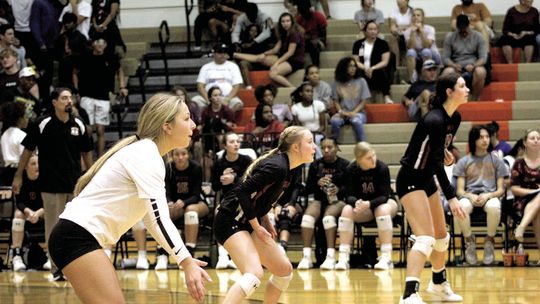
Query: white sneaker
[[47, 265], [222, 263], [384, 263], [444, 292], [342, 265], [162, 262], [305, 263], [18, 264], [519, 233], [142, 263], [329, 263], [412, 299]]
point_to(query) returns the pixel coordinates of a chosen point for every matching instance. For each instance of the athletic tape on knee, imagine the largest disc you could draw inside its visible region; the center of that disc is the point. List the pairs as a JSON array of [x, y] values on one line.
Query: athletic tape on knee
[[384, 223], [138, 226], [329, 222], [249, 282], [424, 244], [17, 225], [308, 221], [442, 244], [191, 218], [281, 283], [345, 224]]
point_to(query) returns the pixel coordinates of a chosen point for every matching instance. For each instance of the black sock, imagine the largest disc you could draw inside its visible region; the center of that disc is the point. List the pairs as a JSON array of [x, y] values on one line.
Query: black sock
[[161, 251], [17, 251], [284, 244], [439, 277], [411, 287], [191, 250]]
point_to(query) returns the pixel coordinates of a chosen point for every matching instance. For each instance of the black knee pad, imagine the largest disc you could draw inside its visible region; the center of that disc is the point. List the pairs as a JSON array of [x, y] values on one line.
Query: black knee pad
[[284, 221]]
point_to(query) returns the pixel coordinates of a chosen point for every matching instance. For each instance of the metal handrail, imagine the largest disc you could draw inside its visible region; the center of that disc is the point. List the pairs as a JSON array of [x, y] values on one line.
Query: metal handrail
[[163, 42], [188, 9]]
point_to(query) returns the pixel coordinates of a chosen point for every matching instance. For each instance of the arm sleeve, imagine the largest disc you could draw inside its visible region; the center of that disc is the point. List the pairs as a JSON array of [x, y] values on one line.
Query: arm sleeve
[[502, 169], [169, 184], [482, 48], [195, 183], [30, 141], [516, 178], [356, 47], [382, 184], [459, 168], [507, 23], [380, 17]]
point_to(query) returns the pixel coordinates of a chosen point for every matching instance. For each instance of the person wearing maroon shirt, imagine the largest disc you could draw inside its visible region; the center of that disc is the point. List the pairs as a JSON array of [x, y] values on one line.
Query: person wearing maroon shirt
[[314, 24]]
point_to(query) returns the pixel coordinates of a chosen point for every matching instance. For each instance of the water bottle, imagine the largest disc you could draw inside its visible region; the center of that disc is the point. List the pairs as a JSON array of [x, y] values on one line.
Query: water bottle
[[328, 189]]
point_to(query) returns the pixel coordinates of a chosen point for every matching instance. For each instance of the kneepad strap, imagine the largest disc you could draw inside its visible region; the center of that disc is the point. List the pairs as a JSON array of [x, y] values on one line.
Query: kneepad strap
[[249, 282], [281, 283]]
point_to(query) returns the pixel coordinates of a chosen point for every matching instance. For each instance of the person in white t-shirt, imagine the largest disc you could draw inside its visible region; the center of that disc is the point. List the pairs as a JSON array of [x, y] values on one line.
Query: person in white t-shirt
[[222, 73], [124, 185], [309, 113], [83, 11], [399, 21], [14, 120]]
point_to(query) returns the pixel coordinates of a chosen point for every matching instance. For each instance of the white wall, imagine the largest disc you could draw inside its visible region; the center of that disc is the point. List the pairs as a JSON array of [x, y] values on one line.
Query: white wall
[[145, 13]]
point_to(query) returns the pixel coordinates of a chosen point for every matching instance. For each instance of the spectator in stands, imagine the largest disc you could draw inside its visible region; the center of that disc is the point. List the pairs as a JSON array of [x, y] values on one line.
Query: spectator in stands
[[314, 25], [399, 21], [94, 76], [244, 24], [367, 13], [104, 13], [525, 182], [466, 52], [516, 153], [286, 56], [21, 12], [83, 12], [61, 140], [14, 121], [69, 47], [7, 40], [266, 94], [321, 89], [500, 147], [6, 15], [349, 94], [195, 114], [326, 182], [520, 28], [372, 56], [217, 18], [25, 92], [309, 112], [222, 73], [417, 97], [250, 46], [479, 17], [368, 198], [9, 77], [266, 128], [421, 46], [480, 183]]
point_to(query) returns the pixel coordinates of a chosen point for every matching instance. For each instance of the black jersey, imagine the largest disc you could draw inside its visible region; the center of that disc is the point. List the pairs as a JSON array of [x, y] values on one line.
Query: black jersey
[[319, 169], [185, 184], [239, 166], [30, 195], [425, 152], [270, 182], [369, 185]]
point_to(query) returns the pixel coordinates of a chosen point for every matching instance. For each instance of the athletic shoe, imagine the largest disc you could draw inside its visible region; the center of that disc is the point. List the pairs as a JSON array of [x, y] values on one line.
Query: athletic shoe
[[197, 48], [162, 262], [342, 265], [305, 263], [470, 250], [329, 263], [412, 299], [444, 292], [385, 263], [518, 233], [142, 264], [231, 264], [47, 265], [222, 263], [489, 252], [58, 276], [18, 264]]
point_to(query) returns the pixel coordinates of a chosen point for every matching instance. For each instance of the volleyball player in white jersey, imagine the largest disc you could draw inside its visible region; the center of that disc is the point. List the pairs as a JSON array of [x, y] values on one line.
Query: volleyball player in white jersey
[[124, 185]]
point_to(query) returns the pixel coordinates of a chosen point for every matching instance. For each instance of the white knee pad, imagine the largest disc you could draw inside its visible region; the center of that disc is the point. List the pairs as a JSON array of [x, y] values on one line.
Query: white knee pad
[[424, 244], [281, 283], [17, 225], [329, 222], [191, 218], [308, 221], [384, 223], [441, 244], [345, 224], [249, 282], [138, 226]]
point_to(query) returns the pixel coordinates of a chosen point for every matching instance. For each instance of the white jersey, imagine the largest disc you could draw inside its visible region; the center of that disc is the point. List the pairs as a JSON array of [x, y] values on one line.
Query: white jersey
[[85, 10], [12, 148], [129, 186]]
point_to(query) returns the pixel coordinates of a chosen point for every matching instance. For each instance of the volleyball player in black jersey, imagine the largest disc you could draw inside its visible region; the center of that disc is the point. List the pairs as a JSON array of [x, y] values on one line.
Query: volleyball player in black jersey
[[242, 224], [425, 157]]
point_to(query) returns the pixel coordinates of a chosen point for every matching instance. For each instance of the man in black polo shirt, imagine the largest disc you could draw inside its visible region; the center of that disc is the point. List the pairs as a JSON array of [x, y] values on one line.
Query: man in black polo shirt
[[61, 140], [416, 99]]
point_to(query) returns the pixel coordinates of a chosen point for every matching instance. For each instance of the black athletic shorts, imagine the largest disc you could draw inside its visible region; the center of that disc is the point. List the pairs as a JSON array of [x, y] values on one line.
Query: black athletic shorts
[[225, 225], [69, 241], [409, 180]]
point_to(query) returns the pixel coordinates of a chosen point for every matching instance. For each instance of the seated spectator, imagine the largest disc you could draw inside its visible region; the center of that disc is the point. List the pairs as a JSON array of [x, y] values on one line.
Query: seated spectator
[[421, 46], [520, 29], [466, 52], [286, 56], [325, 181], [195, 114], [223, 74], [14, 121], [252, 19], [480, 183], [516, 153], [314, 24], [349, 94], [368, 197], [500, 147], [479, 17], [367, 13], [266, 94], [217, 18], [7, 40], [399, 21], [249, 46], [266, 128], [83, 12], [308, 112], [24, 92], [104, 25], [292, 6], [321, 89], [372, 56], [417, 97], [525, 182]]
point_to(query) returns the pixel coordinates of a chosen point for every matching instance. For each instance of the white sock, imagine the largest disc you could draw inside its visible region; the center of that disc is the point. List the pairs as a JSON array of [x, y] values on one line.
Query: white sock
[[307, 252], [331, 252], [192, 245], [142, 254], [344, 251], [386, 249]]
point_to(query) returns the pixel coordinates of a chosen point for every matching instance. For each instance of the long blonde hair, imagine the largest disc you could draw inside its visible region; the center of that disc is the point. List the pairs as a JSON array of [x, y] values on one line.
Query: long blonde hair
[[291, 135], [160, 109]]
